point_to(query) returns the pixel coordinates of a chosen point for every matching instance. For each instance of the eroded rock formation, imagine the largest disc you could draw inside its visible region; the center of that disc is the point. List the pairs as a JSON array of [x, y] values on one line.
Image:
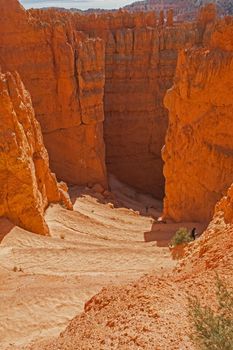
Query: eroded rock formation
[[140, 66], [225, 205], [27, 184], [79, 68], [199, 146], [64, 72], [141, 57]]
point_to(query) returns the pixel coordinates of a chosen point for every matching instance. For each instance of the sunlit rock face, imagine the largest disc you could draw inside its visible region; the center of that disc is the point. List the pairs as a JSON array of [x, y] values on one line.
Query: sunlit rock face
[[78, 68], [27, 184], [199, 146], [64, 73]]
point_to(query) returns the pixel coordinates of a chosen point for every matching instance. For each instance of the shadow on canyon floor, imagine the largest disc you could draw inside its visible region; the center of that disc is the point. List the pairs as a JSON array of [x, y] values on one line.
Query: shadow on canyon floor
[[122, 196], [104, 241], [125, 197], [162, 233], [5, 227]]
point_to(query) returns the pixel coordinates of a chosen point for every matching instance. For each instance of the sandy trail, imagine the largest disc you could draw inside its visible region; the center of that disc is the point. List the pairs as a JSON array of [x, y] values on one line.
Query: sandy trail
[[45, 281]]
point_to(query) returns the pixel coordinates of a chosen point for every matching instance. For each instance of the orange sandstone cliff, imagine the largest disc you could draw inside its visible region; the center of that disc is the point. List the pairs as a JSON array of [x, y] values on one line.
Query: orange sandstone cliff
[[80, 69], [27, 184], [199, 146], [140, 64], [64, 73], [225, 205], [137, 67]]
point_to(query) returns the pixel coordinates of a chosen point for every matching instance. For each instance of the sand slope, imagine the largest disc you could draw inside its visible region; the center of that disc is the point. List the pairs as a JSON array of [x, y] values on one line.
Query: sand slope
[[94, 246]]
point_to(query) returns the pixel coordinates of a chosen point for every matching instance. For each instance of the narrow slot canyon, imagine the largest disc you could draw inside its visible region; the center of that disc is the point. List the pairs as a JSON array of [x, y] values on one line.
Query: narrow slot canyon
[[115, 134]]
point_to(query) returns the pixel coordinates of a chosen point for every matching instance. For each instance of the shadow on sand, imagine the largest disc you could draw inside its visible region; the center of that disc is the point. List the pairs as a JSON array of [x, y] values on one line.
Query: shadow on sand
[[162, 233], [5, 227], [123, 196]]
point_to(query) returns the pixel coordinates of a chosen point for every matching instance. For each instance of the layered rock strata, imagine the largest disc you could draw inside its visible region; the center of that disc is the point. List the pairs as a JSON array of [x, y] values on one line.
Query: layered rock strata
[[64, 66], [64, 72], [66, 59], [27, 184], [141, 57], [140, 66], [199, 146]]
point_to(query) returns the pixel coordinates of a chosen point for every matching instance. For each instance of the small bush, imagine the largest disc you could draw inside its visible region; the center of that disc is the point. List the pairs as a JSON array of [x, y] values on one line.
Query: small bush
[[181, 236], [214, 329], [62, 236]]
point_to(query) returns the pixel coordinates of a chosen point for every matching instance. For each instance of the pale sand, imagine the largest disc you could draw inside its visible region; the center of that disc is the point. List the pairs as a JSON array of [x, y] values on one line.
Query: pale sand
[[94, 246]]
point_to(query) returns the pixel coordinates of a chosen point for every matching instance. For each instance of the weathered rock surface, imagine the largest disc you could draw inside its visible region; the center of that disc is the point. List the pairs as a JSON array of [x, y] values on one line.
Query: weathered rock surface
[[225, 205], [64, 72], [65, 67], [67, 78], [27, 184], [199, 146], [215, 246], [141, 58], [140, 66]]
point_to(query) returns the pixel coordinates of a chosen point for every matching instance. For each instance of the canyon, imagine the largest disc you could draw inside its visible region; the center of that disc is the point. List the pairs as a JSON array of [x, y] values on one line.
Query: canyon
[[115, 131], [136, 64]]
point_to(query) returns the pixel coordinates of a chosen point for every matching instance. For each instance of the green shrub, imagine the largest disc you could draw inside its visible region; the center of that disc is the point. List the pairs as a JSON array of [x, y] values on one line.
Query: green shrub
[[181, 236], [214, 329]]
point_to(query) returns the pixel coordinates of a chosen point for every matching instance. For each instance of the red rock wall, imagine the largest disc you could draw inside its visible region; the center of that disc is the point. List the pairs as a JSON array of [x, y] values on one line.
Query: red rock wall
[[225, 206], [199, 146], [64, 72], [139, 66], [27, 184], [141, 58]]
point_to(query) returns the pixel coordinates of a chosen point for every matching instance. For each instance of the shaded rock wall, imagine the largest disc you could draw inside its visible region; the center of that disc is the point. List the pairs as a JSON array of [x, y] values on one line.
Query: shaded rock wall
[[64, 72], [140, 63], [27, 184], [199, 146], [140, 66]]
